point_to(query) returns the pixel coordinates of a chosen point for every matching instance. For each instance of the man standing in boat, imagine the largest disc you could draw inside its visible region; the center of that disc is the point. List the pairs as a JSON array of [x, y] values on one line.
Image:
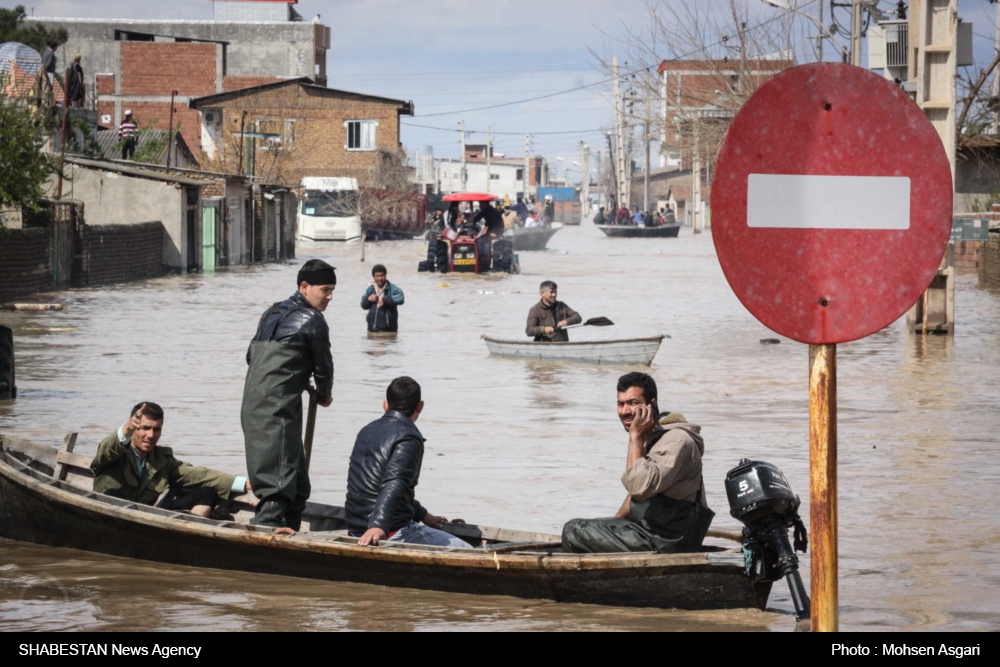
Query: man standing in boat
[[665, 510], [292, 343], [548, 317]]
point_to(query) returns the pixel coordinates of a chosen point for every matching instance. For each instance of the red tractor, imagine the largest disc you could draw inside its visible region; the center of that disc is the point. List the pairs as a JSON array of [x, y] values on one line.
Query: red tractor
[[471, 250]]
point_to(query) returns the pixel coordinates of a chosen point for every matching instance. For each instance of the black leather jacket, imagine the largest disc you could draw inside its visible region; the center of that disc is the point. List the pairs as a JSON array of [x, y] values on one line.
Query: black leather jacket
[[385, 468], [304, 330]]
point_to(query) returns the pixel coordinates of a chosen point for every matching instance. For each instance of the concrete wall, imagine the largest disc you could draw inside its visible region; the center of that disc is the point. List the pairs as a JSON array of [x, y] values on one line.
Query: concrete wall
[[255, 49], [108, 254], [989, 263], [449, 176], [114, 199], [25, 261]]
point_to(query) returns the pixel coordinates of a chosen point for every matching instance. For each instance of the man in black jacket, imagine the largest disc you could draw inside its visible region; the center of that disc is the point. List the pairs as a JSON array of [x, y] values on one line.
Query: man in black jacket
[[292, 344], [385, 468]]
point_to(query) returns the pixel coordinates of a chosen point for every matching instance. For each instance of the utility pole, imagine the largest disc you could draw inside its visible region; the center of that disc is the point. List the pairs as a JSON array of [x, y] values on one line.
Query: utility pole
[[996, 79], [856, 32], [489, 151], [645, 172], [465, 174], [527, 165], [584, 181], [696, 221], [623, 197]]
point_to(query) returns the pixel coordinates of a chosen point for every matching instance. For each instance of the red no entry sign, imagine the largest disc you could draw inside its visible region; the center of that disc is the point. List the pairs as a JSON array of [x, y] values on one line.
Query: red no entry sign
[[832, 203]]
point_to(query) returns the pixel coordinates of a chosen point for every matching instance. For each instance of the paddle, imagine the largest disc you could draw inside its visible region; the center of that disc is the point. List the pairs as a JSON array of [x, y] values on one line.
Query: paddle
[[592, 322], [310, 425]]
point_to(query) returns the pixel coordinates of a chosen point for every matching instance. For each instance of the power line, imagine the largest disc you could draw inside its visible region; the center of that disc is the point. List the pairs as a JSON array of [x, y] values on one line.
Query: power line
[[519, 134], [598, 83]]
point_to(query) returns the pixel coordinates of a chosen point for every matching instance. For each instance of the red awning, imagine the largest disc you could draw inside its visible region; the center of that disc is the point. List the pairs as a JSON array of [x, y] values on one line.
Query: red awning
[[469, 196]]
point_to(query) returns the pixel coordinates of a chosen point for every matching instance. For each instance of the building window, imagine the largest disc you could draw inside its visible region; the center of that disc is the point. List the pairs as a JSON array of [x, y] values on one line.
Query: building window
[[519, 175], [361, 135], [494, 177], [289, 137]]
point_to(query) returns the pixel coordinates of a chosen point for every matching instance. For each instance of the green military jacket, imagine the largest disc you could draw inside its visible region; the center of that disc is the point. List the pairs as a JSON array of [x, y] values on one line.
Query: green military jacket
[[115, 469]]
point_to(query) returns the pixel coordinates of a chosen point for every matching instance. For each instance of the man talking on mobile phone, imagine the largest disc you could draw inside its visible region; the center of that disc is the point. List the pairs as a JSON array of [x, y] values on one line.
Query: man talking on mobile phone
[[665, 509]]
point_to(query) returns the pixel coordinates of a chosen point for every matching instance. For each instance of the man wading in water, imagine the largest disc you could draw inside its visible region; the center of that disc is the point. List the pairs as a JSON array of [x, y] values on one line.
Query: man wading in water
[[292, 343]]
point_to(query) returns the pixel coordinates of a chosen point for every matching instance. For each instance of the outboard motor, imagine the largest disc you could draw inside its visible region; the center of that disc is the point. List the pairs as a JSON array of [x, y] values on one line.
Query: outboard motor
[[760, 497]]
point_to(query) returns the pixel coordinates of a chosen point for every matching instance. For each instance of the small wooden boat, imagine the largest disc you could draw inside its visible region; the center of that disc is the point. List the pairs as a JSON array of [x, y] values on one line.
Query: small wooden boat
[[635, 232], [533, 238], [628, 351], [46, 498]]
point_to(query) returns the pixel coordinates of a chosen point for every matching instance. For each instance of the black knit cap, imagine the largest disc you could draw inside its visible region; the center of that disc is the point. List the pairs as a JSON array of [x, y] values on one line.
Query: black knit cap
[[317, 272]]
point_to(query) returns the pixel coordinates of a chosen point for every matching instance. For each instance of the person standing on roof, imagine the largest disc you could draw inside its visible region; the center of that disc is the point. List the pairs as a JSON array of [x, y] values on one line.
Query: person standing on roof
[[128, 132], [292, 345], [76, 89]]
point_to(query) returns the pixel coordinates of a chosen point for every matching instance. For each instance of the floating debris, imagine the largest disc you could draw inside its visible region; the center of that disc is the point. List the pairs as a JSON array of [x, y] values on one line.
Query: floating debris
[[770, 341], [444, 284]]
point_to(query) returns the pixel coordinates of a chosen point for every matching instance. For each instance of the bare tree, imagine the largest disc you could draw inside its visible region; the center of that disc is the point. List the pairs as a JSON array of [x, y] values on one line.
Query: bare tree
[[265, 159], [386, 193], [690, 67]]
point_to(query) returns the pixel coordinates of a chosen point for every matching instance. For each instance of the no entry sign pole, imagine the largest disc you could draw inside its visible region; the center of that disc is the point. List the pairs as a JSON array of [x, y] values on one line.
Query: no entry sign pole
[[823, 486], [832, 203]]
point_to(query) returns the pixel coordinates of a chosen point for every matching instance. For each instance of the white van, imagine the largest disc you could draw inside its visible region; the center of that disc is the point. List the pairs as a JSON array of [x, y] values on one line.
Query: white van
[[325, 210]]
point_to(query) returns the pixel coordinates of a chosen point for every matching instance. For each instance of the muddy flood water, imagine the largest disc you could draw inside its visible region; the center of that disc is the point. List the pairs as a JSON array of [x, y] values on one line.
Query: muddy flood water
[[522, 444]]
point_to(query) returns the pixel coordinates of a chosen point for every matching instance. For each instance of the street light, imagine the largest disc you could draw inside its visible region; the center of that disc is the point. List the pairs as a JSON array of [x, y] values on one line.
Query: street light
[[826, 33]]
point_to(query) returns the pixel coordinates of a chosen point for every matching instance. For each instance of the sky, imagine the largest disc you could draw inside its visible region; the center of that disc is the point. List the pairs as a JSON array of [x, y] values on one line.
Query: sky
[[452, 57]]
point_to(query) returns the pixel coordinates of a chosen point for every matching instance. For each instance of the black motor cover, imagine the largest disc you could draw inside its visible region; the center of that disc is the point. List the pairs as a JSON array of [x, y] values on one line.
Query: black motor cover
[[756, 490]]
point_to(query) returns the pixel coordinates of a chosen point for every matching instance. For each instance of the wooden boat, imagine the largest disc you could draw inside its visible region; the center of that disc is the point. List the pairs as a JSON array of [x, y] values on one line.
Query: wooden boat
[[533, 238], [603, 352], [46, 498], [634, 232]]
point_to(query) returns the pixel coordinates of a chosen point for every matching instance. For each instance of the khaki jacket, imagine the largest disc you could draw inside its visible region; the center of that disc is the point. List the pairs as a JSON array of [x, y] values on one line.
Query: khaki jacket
[[540, 317], [115, 469], [671, 466]]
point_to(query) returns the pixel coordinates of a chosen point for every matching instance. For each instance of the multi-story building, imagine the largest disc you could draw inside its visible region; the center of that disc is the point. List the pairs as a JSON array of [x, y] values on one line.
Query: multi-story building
[[297, 128], [247, 43]]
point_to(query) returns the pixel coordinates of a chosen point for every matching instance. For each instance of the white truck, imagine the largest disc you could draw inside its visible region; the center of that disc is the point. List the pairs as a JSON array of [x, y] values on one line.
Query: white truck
[[328, 209]]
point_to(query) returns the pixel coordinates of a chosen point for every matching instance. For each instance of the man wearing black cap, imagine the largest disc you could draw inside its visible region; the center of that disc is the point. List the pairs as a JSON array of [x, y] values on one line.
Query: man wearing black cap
[[292, 343]]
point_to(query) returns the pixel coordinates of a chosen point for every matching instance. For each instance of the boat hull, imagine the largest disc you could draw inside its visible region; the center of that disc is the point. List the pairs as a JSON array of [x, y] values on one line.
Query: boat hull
[[631, 351], [33, 510], [533, 238], [634, 232]]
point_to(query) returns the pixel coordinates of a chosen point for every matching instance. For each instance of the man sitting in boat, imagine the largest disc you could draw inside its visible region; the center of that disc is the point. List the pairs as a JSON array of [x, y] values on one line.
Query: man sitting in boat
[[383, 475], [548, 317], [665, 509], [132, 466]]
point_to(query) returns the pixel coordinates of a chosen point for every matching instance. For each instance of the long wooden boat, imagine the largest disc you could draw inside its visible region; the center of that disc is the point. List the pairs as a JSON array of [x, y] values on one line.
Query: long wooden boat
[[634, 232], [46, 498], [603, 352], [533, 238]]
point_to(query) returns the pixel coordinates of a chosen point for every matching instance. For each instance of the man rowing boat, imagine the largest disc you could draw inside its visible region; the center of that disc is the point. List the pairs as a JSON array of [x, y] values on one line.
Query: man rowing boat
[[291, 345], [548, 318]]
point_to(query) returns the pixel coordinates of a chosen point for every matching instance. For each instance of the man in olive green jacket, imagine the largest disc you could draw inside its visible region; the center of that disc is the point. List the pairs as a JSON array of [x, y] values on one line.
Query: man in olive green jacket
[[130, 465]]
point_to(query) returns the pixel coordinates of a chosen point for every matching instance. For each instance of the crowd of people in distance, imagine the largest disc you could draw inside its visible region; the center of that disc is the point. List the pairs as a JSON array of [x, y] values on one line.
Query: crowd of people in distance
[[463, 218], [622, 216]]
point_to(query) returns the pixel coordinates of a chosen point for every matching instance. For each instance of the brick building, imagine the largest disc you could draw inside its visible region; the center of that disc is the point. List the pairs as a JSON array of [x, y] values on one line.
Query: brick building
[[151, 71], [311, 130]]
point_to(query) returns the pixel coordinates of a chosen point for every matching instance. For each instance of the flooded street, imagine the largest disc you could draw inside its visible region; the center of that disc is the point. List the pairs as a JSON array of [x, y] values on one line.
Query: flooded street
[[523, 444]]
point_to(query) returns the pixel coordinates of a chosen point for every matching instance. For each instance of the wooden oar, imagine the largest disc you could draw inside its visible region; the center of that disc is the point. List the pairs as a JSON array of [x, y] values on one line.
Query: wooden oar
[[310, 425], [592, 322]]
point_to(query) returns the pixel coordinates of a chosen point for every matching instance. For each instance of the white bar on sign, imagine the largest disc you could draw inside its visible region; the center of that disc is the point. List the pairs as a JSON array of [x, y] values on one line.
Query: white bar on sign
[[828, 202]]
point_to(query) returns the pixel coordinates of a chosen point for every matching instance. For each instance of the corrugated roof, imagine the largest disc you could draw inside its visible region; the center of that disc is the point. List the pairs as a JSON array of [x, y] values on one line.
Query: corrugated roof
[[127, 170], [110, 145]]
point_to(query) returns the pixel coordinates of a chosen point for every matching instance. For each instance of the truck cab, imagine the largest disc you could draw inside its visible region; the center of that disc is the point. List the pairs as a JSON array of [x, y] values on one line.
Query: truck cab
[[328, 210]]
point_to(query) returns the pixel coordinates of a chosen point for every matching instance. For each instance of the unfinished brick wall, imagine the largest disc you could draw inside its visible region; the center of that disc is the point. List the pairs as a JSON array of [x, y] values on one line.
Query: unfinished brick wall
[[989, 263], [156, 115], [157, 68], [319, 145], [104, 254], [236, 82], [967, 255], [25, 262]]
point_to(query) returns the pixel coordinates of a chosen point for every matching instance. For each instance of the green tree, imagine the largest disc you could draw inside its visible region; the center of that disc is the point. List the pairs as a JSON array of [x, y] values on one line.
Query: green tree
[[37, 36], [24, 166]]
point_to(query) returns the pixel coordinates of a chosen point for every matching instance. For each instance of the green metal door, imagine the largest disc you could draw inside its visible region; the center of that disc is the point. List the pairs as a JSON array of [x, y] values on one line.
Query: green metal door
[[208, 239]]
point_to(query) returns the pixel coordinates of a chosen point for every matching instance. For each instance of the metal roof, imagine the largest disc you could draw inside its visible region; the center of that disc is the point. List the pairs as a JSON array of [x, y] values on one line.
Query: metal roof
[[136, 171]]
